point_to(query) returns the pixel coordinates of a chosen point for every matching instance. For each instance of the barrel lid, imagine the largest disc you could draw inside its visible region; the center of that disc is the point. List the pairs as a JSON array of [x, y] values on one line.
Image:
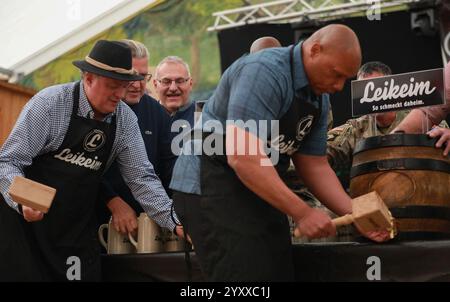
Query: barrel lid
[[393, 140]]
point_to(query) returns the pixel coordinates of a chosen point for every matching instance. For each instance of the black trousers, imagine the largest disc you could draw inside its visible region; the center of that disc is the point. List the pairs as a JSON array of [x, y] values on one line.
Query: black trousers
[[17, 259], [233, 245]]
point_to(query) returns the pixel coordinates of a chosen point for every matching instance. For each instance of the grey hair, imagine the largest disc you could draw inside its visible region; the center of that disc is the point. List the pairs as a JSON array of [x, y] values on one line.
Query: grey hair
[[83, 74], [371, 67], [172, 59], [138, 49]]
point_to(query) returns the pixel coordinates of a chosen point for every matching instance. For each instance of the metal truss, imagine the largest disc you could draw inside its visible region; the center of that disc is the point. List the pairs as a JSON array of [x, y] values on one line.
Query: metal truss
[[297, 11]]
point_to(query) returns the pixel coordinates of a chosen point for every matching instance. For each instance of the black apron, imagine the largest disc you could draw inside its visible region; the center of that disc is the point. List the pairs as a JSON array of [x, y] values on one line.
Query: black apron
[[17, 261], [69, 228], [237, 235]]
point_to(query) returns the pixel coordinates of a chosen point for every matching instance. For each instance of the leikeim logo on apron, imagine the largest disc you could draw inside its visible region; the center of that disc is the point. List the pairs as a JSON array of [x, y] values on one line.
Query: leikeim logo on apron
[[304, 126], [94, 140]]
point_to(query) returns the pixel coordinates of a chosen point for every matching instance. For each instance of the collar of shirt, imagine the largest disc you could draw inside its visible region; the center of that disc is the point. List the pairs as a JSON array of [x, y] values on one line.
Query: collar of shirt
[[181, 109], [300, 79], [85, 108], [185, 106]]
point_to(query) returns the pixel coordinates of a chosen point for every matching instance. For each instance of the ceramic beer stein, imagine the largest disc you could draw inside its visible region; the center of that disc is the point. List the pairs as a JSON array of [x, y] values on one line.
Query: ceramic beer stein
[[117, 243], [172, 243], [149, 236]]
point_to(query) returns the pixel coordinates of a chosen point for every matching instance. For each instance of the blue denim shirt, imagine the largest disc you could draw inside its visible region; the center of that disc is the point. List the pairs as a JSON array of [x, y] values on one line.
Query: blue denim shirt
[[255, 87]]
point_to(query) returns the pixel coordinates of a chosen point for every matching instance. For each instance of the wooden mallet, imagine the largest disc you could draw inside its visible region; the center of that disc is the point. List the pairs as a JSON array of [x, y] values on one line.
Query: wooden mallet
[[369, 213], [32, 194]]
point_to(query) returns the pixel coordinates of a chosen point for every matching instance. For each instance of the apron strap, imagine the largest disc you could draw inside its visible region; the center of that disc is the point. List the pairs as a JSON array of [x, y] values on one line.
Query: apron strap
[[76, 98]]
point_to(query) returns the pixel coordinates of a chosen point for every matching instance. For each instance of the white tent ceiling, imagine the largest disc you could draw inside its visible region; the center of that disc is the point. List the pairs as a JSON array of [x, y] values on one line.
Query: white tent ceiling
[[34, 32]]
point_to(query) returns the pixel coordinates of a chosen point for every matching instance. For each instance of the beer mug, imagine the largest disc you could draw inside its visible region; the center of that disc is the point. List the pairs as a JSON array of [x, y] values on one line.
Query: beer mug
[[149, 236], [172, 243], [117, 243]]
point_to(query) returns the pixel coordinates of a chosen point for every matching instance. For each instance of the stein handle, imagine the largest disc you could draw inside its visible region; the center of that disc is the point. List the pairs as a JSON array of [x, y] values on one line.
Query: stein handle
[[100, 235], [133, 242]]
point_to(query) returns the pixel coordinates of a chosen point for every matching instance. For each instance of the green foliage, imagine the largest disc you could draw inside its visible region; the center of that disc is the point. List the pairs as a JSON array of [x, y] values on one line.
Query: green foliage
[[175, 27]]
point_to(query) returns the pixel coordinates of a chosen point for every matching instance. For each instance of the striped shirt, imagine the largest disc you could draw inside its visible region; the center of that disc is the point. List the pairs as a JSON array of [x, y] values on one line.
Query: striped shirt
[[42, 126]]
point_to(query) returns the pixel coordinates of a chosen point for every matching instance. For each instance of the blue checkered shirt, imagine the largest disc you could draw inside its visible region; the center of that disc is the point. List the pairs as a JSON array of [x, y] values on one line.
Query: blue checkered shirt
[[256, 87], [42, 126]]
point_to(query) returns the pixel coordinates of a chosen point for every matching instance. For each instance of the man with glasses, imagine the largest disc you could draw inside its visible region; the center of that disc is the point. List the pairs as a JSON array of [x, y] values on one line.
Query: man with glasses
[[154, 125], [173, 85], [65, 137]]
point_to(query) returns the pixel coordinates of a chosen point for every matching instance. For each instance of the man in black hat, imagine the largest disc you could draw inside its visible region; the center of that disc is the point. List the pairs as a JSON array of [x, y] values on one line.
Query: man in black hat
[[116, 198], [65, 137]]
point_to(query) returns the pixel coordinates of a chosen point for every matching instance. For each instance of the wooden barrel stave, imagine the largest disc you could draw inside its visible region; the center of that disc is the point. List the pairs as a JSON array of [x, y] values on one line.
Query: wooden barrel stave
[[423, 191]]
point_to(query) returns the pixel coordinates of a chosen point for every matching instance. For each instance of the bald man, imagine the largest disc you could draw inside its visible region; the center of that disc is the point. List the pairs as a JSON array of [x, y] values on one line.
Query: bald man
[[422, 119], [263, 43], [233, 204]]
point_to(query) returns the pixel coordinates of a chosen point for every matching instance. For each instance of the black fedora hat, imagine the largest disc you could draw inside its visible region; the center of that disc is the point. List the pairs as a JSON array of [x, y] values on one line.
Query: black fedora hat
[[111, 59]]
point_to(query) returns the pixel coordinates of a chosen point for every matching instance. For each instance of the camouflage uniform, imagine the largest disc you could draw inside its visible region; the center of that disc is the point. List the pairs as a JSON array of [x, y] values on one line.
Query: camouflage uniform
[[341, 142]]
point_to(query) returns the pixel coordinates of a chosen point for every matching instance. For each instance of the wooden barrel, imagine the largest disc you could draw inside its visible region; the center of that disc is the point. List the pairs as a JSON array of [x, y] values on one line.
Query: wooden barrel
[[412, 177]]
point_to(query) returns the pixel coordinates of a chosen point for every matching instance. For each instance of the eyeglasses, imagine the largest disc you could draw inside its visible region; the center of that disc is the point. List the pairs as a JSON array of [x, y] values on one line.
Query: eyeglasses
[[147, 77], [117, 85], [165, 82]]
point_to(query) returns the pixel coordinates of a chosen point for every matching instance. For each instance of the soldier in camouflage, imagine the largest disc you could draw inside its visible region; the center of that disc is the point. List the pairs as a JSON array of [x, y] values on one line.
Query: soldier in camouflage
[[341, 143], [342, 140]]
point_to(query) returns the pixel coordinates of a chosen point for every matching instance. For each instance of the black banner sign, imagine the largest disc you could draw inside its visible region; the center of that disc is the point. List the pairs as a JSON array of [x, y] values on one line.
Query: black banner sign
[[398, 92]]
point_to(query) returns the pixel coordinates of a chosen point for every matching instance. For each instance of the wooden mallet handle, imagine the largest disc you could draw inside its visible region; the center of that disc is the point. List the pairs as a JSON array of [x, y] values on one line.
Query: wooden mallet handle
[[340, 221], [343, 220]]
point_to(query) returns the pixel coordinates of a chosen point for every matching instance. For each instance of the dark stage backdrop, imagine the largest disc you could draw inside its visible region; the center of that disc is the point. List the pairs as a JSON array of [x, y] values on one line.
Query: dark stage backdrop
[[390, 40], [236, 42]]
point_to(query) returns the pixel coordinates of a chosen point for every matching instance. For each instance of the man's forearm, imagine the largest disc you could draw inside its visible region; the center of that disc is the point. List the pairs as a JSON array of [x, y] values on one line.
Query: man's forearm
[[323, 183], [414, 122], [265, 182]]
